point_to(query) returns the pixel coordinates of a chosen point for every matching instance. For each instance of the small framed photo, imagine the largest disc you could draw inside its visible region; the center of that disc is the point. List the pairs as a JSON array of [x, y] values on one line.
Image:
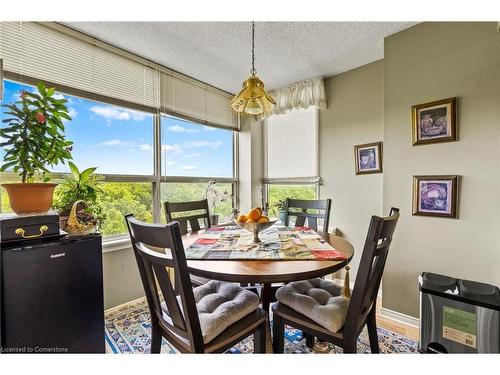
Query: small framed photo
[[434, 122], [368, 158], [435, 196]]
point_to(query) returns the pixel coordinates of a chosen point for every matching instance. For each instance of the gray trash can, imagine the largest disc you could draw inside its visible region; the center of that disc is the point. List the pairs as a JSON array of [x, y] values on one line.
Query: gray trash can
[[458, 316]]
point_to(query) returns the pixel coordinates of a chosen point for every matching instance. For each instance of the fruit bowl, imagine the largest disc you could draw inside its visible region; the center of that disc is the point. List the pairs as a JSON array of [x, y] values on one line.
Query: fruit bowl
[[256, 228]]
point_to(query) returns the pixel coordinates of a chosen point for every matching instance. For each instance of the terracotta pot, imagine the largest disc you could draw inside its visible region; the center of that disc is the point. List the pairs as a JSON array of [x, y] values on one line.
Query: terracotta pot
[[30, 198]]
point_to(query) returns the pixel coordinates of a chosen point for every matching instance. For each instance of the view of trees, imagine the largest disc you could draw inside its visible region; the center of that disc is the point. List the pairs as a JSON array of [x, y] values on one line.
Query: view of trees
[[281, 192], [119, 198]]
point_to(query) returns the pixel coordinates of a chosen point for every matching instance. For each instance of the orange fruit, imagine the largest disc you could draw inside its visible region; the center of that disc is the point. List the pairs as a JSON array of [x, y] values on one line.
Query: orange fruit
[[258, 209], [253, 214], [263, 219], [242, 218], [250, 221]]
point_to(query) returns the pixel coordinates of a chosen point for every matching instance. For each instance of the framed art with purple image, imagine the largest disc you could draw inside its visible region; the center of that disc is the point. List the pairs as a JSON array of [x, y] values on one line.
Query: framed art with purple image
[[436, 196]]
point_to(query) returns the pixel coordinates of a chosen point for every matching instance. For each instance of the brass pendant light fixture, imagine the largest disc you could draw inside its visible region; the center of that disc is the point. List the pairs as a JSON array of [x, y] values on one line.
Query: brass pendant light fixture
[[253, 99]]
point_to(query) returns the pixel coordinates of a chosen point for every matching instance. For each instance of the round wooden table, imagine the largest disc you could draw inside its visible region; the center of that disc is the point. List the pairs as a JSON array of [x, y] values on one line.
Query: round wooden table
[[266, 272]]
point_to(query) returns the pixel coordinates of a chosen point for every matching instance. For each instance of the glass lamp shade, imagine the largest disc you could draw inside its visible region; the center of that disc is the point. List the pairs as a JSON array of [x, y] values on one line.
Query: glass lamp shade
[[253, 99]]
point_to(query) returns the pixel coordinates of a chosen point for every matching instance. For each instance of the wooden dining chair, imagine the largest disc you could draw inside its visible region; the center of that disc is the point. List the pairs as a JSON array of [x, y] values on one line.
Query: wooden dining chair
[[298, 208], [318, 308], [183, 212], [208, 319]]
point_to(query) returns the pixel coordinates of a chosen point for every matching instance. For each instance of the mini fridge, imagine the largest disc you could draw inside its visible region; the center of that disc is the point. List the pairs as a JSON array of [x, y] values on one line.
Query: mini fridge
[[52, 296]]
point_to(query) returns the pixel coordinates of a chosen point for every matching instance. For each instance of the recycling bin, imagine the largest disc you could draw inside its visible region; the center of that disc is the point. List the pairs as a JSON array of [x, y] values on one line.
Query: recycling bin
[[458, 316]]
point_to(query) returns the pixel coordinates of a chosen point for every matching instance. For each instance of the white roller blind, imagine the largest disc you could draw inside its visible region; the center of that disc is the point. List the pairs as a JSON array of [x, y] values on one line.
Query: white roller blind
[[196, 101], [292, 144], [90, 68]]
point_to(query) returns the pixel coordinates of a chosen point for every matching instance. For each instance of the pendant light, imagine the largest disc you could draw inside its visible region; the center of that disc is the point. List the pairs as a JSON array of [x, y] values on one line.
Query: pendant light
[[253, 99]]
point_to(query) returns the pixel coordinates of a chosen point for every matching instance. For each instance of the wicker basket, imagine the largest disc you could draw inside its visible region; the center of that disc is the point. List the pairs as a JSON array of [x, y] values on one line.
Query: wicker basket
[[73, 226]]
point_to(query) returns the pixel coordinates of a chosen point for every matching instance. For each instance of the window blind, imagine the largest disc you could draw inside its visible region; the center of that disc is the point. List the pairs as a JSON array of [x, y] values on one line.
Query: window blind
[[196, 101], [292, 144], [80, 65]]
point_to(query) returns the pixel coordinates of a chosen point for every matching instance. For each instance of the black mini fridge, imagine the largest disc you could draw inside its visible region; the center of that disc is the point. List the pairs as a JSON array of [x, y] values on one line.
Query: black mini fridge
[[52, 296]]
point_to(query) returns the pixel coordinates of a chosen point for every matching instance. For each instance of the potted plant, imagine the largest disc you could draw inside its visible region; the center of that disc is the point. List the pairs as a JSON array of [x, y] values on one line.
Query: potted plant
[[76, 188], [34, 140], [214, 197], [281, 207]]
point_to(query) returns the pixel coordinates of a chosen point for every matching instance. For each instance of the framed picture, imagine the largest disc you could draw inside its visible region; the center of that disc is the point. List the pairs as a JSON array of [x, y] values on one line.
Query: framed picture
[[368, 158], [435, 196], [434, 122]]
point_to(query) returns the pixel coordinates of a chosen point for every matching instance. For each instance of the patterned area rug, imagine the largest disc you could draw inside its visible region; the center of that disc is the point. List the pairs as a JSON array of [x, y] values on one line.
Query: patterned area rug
[[128, 331]]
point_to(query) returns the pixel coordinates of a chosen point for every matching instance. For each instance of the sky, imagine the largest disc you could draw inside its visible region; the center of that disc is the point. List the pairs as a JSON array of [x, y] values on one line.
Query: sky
[[120, 141]]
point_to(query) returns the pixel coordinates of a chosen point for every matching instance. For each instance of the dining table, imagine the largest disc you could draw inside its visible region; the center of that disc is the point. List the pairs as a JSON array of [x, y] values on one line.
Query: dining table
[[268, 271]]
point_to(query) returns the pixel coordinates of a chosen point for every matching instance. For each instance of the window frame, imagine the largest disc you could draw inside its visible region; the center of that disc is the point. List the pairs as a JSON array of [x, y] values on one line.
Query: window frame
[[156, 178]]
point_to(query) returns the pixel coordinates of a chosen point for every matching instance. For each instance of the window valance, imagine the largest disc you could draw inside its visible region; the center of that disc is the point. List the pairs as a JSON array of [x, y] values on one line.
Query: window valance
[[300, 95]]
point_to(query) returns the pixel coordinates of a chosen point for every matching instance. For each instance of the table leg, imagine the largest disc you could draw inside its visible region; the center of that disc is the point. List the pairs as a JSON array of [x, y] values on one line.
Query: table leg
[[265, 296]]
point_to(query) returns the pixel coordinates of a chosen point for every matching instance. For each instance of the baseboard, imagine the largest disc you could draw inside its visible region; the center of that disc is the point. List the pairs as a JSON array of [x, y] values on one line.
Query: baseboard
[[400, 317], [133, 302]]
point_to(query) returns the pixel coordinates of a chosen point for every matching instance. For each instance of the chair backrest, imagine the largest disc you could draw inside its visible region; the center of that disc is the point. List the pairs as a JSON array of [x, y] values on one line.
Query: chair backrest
[[189, 216], [299, 208], [371, 268], [183, 322]]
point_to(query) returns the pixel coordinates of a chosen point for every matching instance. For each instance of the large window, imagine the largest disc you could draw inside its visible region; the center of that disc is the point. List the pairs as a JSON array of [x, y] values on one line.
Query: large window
[[115, 99], [117, 141], [192, 155], [291, 158], [120, 142], [194, 150]]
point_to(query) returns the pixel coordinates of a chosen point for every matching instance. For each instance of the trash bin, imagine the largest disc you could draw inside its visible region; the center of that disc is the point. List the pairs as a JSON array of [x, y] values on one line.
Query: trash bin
[[458, 316]]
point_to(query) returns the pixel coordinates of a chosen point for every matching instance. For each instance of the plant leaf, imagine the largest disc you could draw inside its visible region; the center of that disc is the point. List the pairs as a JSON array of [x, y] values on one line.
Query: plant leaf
[[87, 173], [74, 170]]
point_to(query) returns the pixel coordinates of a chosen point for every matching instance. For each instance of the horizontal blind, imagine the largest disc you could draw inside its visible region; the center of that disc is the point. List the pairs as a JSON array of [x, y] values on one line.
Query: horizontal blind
[[197, 102], [89, 68], [292, 144], [34, 51]]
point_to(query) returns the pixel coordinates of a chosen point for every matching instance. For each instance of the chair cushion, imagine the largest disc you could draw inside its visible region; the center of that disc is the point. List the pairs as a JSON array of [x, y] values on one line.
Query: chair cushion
[[318, 299], [221, 304]]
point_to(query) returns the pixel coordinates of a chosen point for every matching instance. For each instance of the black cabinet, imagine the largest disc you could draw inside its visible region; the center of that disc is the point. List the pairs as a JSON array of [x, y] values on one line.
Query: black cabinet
[[52, 296]]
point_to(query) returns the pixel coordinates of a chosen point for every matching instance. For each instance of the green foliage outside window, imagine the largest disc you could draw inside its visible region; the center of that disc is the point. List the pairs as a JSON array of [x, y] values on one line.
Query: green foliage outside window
[[118, 199], [183, 192], [281, 192]]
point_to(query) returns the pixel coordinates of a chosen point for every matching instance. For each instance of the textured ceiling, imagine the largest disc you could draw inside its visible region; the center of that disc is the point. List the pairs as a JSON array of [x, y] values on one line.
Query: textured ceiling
[[219, 53]]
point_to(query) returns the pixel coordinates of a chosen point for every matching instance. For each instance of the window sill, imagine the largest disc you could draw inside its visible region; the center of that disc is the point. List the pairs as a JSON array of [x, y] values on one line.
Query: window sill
[[116, 244]]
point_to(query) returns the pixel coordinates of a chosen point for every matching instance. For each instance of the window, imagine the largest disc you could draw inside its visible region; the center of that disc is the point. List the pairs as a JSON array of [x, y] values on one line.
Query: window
[[120, 143], [194, 150], [278, 193], [193, 154], [115, 99], [117, 141], [192, 191], [291, 160]]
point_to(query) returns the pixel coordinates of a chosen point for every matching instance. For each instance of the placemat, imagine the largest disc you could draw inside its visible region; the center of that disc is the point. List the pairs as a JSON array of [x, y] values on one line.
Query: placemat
[[278, 243]]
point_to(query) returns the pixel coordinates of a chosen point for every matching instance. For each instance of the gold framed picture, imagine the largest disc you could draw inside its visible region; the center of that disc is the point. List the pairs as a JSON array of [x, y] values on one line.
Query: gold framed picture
[[368, 158], [435, 196], [434, 122]]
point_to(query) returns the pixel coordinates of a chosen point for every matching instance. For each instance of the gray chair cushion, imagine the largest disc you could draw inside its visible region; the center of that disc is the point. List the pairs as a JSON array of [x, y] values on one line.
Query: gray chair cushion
[[317, 299], [221, 304]]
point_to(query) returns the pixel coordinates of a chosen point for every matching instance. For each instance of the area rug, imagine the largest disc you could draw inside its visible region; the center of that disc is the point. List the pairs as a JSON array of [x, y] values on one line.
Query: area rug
[[128, 330]]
